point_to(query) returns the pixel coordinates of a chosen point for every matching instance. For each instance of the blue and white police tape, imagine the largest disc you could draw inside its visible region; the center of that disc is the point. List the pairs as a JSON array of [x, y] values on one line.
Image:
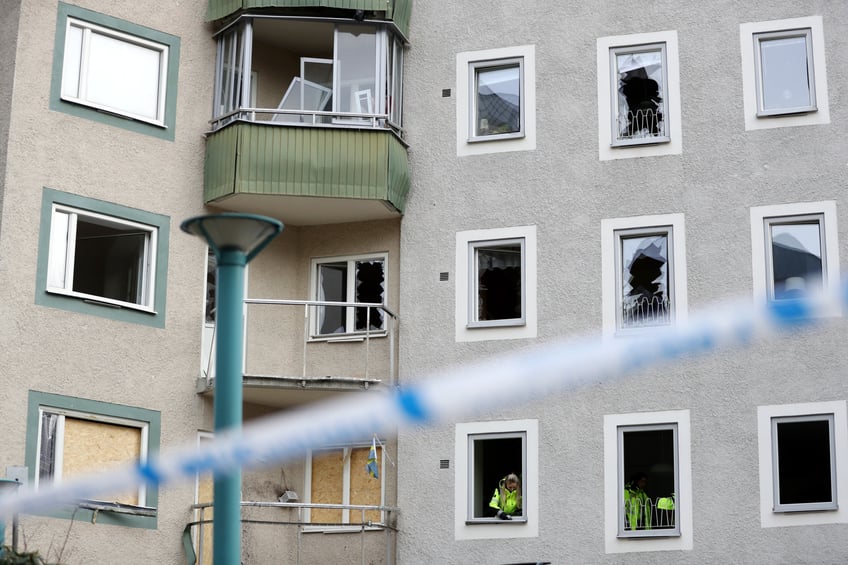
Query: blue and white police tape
[[442, 396]]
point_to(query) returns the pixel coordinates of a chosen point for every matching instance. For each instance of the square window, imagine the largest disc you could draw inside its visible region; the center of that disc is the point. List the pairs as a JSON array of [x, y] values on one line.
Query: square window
[[638, 96], [487, 453], [101, 258], [351, 279], [639, 92], [804, 463], [785, 72], [115, 72], [496, 463], [643, 273], [497, 275], [648, 482], [648, 467], [784, 75], [496, 102], [795, 250], [338, 476], [69, 437]]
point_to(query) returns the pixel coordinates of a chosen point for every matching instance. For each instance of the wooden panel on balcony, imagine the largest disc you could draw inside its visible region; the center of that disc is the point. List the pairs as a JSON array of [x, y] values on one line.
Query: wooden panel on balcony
[[248, 158], [396, 10]]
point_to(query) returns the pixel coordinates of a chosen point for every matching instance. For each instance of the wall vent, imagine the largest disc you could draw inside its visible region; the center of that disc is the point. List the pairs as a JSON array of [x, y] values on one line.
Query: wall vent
[[443, 276], [444, 464], [446, 93]]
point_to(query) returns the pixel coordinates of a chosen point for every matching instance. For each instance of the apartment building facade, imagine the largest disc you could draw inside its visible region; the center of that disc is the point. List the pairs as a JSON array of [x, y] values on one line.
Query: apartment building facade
[[596, 170], [122, 120]]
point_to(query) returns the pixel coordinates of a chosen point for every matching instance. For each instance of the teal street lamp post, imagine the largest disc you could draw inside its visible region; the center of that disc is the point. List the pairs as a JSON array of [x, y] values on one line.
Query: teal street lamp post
[[235, 239]]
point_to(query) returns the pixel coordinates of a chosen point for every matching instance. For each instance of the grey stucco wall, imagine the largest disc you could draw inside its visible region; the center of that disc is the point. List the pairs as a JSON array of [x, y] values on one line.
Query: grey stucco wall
[[9, 14], [565, 190]]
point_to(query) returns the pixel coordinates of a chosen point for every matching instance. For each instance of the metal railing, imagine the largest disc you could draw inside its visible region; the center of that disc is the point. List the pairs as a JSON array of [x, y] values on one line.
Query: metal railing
[[311, 335], [197, 532], [310, 118]]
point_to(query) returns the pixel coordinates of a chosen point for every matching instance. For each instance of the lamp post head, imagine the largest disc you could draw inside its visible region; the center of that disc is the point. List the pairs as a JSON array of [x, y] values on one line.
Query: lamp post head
[[247, 233]]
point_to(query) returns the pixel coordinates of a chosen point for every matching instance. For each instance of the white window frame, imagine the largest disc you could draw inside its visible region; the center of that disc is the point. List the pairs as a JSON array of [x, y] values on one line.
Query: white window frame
[[466, 329], [472, 439], [81, 65], [614, 483], [614, 110], [769, 516], [761, 217], [60, 437], [60, 267], [611, 231], [350, 314], [474, 286], [467, 65], [759, 38], [755, 118], [346, 474], [608, 148], [528, 527], [473, 76]]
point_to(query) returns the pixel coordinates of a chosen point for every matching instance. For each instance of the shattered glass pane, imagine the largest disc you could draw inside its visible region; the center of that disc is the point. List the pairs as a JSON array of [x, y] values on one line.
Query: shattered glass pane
[[645, 281], [640, 91], [796, 253]]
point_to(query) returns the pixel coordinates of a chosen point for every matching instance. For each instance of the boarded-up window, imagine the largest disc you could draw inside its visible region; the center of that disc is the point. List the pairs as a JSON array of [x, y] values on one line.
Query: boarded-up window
[[339, 477], [73, 446], [205, 490]]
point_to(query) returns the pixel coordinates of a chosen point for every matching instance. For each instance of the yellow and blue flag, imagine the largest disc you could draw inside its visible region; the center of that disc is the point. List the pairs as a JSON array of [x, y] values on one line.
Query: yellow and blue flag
[[371, 464]]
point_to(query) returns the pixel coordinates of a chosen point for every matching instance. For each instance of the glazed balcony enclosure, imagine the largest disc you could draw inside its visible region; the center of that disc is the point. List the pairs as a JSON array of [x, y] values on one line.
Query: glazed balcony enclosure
[[307, 114]]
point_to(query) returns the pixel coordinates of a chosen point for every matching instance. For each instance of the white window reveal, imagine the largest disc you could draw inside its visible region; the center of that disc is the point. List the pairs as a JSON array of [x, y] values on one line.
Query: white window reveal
[[784, 76], [648, 482], [496, 103], [492, 458], [795, 250], [496, 282], [497, 275], [639, 97], [101, 258], [496, 100], [351, 279], [643, 272], [115, 72], [803, 459], [785, 72]]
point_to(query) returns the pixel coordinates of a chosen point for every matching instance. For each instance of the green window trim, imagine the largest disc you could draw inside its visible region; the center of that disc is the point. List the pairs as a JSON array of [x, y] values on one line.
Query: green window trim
[[38, 400], [80, 110], [80, 305]]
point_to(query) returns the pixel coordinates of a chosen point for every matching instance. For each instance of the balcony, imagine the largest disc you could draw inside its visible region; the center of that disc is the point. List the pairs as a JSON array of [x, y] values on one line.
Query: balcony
[[290, 360], [312, 133], [282, 532]]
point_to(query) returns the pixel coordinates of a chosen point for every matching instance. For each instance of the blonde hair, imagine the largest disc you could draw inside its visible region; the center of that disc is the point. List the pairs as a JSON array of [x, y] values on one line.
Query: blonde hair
[[511, 478]]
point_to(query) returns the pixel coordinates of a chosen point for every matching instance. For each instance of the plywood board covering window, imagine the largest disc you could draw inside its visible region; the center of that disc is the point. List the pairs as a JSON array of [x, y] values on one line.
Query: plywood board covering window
[[91, 445], [339, 476]]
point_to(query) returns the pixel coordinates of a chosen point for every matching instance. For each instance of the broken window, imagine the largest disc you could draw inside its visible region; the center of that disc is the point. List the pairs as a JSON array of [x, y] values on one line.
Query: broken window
[[645, 283], [783, 62], [338, 476], [639, 105], [794, 258], [345, 73], [360, 279], [648, 478], [496, 99], [497, 278], [803, 463], [491, 458]]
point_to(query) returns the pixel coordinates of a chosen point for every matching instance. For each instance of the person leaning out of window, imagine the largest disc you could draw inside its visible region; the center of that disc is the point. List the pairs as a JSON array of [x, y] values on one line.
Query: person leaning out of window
[[507, 498]]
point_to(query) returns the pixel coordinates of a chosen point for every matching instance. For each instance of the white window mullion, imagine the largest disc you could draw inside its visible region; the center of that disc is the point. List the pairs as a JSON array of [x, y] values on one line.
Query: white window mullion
[[70, 253], [350, 296], [59, 450], [82, 91], [348, 452]]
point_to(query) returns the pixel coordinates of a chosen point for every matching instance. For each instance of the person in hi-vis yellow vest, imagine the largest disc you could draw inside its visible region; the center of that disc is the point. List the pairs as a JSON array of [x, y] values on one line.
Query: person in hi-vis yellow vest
[[507, 498]]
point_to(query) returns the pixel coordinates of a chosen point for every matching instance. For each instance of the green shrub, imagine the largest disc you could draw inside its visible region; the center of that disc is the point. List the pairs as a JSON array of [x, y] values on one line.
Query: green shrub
[[9, 557]]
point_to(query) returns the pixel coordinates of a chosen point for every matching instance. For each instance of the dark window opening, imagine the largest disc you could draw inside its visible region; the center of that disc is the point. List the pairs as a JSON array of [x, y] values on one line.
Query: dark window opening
[[493, 458], [499, 282], [804, 464], [649, 474], [109, 260]]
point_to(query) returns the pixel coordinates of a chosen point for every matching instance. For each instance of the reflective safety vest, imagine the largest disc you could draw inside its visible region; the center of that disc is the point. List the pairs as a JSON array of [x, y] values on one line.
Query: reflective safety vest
[[637, 509], [511, 501], [665, 503]]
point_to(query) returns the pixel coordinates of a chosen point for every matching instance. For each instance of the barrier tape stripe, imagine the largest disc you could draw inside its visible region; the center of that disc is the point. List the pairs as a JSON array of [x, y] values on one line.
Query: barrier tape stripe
[[444, 396]]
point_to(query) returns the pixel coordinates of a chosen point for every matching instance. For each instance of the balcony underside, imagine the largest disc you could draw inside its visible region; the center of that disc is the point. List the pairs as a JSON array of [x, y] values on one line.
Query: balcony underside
[[287, 392], [306, 175]]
